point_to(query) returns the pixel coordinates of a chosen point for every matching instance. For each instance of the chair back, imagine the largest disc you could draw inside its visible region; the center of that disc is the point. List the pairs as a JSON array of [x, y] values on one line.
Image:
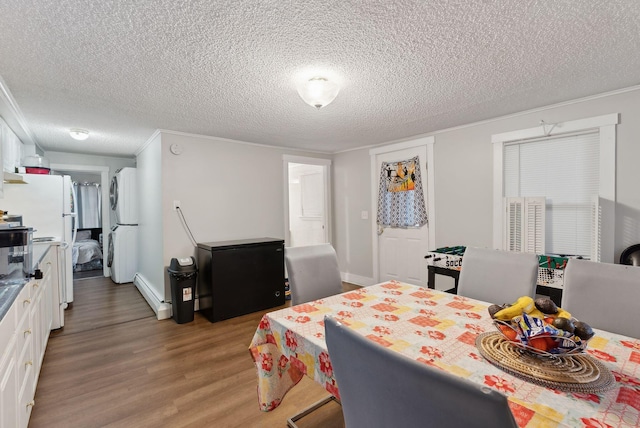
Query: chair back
[[382, 388], [631, 256], [603, 295], [313, 272], [497, 276]]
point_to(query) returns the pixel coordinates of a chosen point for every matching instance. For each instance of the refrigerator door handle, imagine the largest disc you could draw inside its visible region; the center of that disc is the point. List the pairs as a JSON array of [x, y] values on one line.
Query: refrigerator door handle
[[74, 214]]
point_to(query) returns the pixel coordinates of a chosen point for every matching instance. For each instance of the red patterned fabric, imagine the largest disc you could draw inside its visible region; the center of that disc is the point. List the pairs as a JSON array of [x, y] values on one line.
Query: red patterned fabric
[[438, 329]]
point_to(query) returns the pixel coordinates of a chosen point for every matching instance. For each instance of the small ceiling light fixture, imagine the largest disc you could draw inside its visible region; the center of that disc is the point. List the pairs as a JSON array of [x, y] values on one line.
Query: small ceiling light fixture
[[79, 134], [318, 92]]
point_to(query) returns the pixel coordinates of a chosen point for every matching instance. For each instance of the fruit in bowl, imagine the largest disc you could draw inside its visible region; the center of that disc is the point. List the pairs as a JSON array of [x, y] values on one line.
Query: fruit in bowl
[[541, 327]]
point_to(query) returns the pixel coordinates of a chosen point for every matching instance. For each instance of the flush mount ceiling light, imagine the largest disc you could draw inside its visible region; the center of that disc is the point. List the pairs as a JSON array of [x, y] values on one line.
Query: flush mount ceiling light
[[318, 92], [79, 134]]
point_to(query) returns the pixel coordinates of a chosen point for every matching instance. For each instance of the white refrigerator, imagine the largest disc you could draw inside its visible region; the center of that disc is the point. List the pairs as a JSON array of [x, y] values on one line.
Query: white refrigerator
[[47, 204]]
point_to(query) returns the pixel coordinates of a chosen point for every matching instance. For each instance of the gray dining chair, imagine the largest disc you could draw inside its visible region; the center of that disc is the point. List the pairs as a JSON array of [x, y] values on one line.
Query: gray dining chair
[[497, 276], [313, 274], [603, 295], [382, 388]]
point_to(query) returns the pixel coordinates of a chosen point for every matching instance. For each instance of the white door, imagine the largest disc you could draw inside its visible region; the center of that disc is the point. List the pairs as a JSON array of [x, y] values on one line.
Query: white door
[[400, 251], [307, 185]]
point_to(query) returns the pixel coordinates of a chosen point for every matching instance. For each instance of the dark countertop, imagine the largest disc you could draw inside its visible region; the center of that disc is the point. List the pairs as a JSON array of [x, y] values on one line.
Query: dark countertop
[[9, 290]]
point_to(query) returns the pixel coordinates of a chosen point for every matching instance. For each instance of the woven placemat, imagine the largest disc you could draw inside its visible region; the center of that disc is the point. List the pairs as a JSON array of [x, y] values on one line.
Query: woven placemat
[[574, 373]]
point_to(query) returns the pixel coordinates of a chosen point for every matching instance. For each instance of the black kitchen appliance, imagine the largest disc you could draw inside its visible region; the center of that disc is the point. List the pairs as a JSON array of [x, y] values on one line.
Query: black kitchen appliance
[[16, 249]]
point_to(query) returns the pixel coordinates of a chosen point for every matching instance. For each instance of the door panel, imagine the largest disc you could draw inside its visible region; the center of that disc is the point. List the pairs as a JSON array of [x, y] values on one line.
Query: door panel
[[414, 260], [389, 264]]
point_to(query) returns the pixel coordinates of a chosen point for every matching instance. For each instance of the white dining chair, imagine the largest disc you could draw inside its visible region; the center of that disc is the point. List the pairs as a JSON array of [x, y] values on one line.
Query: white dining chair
[[497, 276], [313, 274], [603, 295], [382, 388]]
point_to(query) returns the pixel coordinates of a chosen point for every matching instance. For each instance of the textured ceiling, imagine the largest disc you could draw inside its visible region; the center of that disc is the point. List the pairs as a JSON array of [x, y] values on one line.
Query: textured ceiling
[[228, 68]]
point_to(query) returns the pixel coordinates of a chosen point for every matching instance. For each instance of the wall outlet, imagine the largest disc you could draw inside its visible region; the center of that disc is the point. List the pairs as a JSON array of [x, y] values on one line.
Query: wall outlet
[[176, 205], [364, 215]]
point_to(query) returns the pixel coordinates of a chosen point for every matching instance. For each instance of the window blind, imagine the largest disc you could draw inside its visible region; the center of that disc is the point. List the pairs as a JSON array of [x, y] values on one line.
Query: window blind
[[565, 170]]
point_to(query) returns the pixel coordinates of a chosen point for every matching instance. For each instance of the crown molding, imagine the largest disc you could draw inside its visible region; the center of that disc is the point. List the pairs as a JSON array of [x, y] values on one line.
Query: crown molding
[[226, 140], [13, 116]]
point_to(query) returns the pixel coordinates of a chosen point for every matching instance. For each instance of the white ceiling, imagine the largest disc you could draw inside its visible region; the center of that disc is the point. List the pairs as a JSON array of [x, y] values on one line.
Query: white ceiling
[[228, 68]]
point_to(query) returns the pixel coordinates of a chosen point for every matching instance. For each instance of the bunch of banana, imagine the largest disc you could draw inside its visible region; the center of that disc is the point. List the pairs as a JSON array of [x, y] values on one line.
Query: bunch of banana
[[540, 308]]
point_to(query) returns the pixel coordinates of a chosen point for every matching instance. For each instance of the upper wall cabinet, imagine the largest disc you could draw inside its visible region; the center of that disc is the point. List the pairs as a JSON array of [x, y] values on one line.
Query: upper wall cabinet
[[10, 152], [11, 148]]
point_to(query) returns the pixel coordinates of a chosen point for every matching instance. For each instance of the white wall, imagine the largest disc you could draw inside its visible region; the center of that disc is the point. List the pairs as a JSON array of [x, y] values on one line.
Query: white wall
[[351, 234], [227, 190], [112, 162], [81, 177], [150, 239], [464, 181]]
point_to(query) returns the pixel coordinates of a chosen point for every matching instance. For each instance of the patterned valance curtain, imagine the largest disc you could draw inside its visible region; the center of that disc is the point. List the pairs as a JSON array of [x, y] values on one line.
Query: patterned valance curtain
[[400, 195]]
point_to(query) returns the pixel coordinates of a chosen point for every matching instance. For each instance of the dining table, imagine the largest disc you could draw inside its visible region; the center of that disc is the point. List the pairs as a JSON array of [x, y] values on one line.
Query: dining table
[[442, 330]]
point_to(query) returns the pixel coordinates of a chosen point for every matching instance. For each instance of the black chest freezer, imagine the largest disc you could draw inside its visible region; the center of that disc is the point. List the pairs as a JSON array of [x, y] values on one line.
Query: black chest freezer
[[239, 277]]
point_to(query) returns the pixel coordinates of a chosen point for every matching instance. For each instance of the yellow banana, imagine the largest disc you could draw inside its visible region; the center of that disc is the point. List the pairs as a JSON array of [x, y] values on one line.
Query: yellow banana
[[523, 304], [562, 313]]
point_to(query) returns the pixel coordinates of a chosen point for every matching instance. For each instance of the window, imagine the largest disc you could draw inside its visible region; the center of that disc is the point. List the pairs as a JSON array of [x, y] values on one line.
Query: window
[[565, 170], [569, 169]]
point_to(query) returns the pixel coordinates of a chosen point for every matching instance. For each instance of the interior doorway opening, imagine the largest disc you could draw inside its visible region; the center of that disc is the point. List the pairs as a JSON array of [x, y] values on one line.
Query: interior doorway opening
[[98, 175], [307, 196]]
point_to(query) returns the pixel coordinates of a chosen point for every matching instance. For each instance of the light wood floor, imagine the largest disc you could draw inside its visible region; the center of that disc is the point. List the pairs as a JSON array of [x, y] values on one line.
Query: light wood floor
[[114, 364]]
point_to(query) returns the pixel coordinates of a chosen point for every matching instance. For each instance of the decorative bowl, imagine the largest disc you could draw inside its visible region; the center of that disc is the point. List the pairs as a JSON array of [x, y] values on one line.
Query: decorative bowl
[[535, 336]]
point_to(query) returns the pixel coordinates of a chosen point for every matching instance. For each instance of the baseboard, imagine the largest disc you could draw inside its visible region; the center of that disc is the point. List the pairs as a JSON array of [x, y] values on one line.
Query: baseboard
[[159, 306], [357, 279]]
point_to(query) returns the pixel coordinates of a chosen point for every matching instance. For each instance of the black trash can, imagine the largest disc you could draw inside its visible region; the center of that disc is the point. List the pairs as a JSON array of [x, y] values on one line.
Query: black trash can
[[183, 273]]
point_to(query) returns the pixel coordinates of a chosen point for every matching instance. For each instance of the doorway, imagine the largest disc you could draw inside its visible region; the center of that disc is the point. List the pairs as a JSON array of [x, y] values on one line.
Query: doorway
[[307, 196], [100, 176], [398, 253]]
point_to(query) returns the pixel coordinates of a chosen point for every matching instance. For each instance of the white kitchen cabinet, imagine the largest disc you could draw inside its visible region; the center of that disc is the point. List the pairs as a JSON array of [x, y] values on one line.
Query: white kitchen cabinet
[[42, 310], [8, 371], [24, 351], [15, 374], [9, 388], [26, 328]]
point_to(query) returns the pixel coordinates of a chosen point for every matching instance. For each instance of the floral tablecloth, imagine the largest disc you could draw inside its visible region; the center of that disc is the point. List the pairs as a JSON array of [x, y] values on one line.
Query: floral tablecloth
[[439, 329]]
